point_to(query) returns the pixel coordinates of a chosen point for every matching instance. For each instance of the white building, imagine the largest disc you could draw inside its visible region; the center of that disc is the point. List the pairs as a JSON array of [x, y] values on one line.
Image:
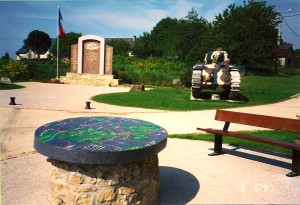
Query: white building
[[25, 53]]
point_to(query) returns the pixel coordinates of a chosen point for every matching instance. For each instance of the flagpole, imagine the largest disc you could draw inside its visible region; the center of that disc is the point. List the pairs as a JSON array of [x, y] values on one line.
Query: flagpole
[[57, 47]]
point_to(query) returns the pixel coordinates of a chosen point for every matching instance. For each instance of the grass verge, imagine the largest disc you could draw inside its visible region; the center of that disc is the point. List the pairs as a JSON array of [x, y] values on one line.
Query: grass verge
[[255, 90], [4, 86], [273, 134]]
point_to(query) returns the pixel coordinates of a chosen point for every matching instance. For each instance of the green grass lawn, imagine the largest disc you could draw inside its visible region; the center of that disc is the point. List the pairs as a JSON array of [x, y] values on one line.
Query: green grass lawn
[[274, 134], [255, 90], [4, 86]]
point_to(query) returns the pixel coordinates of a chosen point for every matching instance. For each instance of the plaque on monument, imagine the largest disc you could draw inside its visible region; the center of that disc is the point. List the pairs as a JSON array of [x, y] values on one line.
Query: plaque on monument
[[91, 56]]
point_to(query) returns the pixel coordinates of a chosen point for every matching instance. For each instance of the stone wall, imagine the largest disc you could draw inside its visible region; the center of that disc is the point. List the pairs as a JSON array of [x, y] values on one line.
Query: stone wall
[[89, 79], [108, 60], [118, 184], [74, 57]]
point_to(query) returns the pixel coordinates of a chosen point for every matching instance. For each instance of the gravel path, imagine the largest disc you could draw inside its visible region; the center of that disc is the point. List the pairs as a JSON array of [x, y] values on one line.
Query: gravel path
[[188, 175]]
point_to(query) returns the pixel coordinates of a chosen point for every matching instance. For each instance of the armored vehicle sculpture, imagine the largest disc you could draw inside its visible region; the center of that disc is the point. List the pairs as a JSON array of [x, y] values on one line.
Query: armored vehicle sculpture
[[215, 75]]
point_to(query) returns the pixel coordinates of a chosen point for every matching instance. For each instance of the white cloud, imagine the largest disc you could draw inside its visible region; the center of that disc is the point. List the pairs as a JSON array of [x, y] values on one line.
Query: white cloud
[[156, 14], [139, 17], [113, 19], [136, 16]]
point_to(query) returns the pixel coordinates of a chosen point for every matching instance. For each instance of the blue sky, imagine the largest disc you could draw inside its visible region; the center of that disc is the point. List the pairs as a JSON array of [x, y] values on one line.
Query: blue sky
[[116, 18]]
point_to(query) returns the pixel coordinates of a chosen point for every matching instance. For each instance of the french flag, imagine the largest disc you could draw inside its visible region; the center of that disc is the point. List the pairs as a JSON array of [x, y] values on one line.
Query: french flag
[[61, 29]]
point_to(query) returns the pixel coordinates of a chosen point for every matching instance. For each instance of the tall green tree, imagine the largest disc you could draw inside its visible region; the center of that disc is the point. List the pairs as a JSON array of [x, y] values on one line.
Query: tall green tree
[[121, 47], [175, 39], [65, 45], [248, 33], [38, 41], [193, 33], [164, 38], [5, 59], [143, 47]]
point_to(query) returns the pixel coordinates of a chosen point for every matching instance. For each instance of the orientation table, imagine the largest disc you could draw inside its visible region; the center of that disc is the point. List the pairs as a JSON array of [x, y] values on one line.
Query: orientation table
[[102, 160]]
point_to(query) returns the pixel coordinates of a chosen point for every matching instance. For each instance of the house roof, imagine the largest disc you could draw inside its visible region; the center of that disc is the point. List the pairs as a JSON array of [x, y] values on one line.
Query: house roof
[[283, 51], [131, 41], [22, 50]]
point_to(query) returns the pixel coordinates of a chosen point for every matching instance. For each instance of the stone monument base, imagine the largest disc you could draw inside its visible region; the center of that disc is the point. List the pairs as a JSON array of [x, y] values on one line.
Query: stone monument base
[[89, 79], [130, 183]]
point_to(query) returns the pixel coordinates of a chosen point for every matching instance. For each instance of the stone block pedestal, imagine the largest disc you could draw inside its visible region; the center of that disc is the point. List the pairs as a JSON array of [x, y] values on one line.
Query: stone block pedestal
[[130, 183], [89, 79]]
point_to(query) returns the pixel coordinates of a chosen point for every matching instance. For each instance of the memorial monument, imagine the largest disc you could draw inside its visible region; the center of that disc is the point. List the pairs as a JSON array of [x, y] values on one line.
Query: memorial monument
[[91, 63]]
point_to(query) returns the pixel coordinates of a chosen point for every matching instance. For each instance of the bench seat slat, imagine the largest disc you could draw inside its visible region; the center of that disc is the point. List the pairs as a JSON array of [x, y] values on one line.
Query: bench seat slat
[[276, 123], [286, 145]]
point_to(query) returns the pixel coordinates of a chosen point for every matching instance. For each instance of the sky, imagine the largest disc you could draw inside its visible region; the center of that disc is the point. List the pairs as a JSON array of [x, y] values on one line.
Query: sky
[[117, 18]]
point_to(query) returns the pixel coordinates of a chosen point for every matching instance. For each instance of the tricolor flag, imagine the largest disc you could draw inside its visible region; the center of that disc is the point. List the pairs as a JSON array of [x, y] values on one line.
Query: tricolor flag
[[61, 30]]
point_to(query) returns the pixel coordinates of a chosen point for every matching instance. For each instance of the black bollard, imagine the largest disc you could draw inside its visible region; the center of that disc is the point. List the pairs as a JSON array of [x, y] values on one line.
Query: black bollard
[[88, 105], [12, 101]]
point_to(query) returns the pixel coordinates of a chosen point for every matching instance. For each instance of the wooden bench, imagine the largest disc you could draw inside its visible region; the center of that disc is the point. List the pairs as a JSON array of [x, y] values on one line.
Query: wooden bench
[[275, 123]]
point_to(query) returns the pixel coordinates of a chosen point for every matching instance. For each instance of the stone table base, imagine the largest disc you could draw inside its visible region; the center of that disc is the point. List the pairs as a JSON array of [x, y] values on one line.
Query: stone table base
[[130, 183]]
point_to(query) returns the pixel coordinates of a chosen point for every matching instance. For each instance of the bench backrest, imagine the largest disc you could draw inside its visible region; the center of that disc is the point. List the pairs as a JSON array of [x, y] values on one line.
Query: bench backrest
[[277, 123]]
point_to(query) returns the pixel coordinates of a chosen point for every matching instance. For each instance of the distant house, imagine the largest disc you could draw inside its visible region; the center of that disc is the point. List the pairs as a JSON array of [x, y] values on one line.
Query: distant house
[[285, 54], [25, 53], [131, 41]]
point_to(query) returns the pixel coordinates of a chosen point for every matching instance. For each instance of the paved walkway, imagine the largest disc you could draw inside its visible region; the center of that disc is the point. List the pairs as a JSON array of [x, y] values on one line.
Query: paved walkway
[[188, 175]]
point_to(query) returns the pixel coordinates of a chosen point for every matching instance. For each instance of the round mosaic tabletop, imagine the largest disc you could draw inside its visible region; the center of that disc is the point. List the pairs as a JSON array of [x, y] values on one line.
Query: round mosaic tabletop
[[100, 140]]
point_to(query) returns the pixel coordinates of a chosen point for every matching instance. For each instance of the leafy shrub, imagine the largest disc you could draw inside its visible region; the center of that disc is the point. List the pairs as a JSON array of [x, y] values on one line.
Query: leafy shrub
[[151, 71], [15, 70], [148, 77], [31, 69], [45, 69], [128, 63], [289, 71]]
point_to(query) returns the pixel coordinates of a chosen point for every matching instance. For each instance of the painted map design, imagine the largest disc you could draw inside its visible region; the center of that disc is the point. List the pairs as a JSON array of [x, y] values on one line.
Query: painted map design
[[101, 134]]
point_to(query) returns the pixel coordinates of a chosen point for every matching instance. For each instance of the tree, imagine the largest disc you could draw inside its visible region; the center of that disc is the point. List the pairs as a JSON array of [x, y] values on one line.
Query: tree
[[248, 33], [65, 45], [174, 39], [6, 57], [4, 61], [164, 38], [121, 47], [193, 31], [38, 41], [143, 47]]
